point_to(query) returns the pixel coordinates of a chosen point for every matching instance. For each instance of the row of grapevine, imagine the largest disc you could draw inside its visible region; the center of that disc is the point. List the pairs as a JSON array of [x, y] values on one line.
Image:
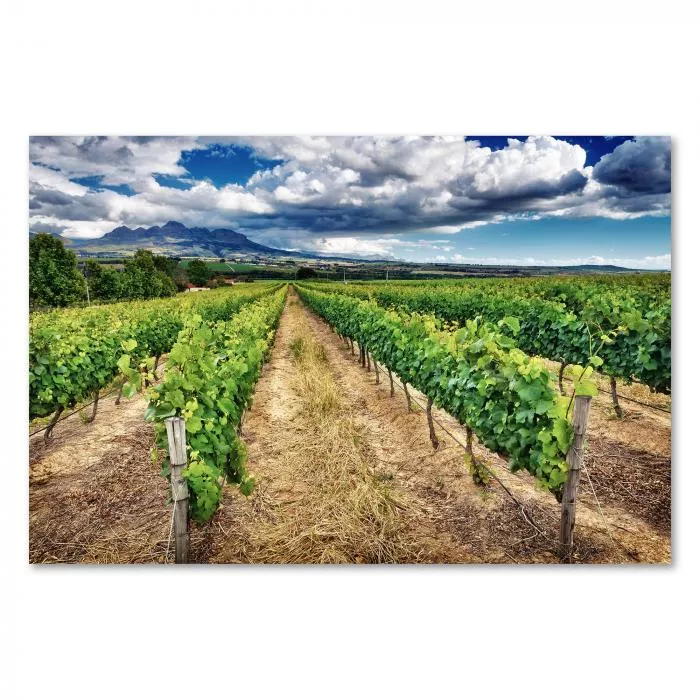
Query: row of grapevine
[[75, 353], [633, 344], [577, 293], [209, 379], [476, 373]]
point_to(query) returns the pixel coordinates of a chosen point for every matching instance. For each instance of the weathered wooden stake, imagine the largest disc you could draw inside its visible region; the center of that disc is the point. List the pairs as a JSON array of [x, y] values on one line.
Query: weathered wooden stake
[[376, 371], [574, 459], [615, 401], [562, 367], [369, 361], [391, 382], [177, 449], [431, 427], [352, 346], [408, 396], [94, 407]]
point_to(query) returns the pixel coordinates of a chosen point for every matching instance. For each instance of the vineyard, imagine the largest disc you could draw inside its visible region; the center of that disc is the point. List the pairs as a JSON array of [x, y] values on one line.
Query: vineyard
[[419, 421]]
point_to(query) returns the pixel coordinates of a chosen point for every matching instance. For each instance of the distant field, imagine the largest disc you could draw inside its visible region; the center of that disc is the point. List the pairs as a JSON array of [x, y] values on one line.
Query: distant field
[[239, 267]]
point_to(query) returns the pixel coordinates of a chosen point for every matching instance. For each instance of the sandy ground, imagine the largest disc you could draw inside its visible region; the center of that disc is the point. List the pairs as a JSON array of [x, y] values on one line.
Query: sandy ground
[[95, 496]]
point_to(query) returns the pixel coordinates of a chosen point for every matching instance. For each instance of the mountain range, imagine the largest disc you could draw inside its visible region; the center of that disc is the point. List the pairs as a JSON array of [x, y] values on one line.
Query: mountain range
[[174, 238]]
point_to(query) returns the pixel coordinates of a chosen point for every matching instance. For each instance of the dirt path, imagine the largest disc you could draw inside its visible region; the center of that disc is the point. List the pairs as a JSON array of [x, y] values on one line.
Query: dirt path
[[94, 494], [325, 490], [449, 518]]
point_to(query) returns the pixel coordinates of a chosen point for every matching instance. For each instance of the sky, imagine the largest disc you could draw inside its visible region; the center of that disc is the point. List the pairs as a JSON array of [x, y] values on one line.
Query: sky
[[538, 200]]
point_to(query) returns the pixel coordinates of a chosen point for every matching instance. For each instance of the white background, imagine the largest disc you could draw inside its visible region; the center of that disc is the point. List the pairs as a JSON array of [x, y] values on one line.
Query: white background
[[347, 67]]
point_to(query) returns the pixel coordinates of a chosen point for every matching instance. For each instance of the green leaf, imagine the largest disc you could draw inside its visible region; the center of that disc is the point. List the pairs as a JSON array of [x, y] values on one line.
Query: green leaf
[[562, 432], [129, 345], [124, 363], [512, 323], [530, 392], [585, 387], [227, 406], [247, 486], [193, 424], [164, 410]]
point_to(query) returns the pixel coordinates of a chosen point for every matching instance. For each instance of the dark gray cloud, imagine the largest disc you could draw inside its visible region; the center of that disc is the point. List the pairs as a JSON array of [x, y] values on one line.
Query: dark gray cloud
[[640, 166]]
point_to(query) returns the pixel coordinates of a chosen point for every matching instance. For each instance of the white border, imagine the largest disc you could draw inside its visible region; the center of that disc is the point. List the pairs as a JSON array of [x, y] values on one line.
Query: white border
[[313, 67]]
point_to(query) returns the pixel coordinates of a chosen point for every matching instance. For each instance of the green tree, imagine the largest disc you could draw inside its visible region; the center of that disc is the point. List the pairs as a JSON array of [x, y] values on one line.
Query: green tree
[[166, 264], [198, 272], [106, 283], [306, 273], [143, 280], [54, 278]]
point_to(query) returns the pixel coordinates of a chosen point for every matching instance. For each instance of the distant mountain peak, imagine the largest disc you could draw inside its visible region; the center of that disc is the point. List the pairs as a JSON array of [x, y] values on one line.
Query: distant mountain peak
[[174, 238]]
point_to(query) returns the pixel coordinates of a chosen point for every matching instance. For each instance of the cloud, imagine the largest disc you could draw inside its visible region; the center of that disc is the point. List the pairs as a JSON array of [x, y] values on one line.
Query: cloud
[[342, 187], [640, 166], [649, 262], [127, 160]]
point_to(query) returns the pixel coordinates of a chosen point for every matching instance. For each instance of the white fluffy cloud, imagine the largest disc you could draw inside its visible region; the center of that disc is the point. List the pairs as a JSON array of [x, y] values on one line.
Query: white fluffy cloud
[[119, 160], [343, 188]]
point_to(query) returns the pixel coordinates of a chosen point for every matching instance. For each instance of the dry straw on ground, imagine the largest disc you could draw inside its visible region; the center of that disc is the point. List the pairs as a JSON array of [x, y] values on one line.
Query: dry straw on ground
[[344, 512]]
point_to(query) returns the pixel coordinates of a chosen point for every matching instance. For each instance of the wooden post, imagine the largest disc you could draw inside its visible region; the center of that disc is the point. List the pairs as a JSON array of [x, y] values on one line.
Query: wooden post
[[574, 459], [391, 382], [352, 347], [431, 427], [616, 402], [177, 448], [408, 396], [376, 371], [369, 361]]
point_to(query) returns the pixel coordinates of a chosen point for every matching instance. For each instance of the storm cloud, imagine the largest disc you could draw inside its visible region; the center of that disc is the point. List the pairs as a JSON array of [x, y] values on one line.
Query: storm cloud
[[639, 166], [323, 187]]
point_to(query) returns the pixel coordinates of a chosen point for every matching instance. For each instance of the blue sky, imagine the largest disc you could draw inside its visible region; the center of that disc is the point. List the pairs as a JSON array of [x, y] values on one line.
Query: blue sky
[[643, 242], [520, 199]]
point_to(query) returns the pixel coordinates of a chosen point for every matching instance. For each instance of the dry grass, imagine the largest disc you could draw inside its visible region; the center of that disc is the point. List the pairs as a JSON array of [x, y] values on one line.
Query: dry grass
[[95, 496], [342, 511]]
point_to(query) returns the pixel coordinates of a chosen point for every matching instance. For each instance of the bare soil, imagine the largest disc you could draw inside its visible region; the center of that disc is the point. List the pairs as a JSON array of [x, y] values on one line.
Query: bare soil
[[94, 494]]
